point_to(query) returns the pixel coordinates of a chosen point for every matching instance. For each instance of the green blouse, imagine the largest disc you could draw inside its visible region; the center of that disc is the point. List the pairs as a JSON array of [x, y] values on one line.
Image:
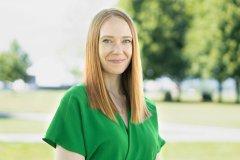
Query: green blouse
[[81, 129]]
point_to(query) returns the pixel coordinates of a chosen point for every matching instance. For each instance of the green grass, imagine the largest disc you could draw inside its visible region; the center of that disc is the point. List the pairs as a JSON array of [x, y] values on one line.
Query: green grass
[[200, 151], [193, 97], [43, 101], [46, 101], [171, 151], [212, 114], [21, 126], [215, 114], [25, 151]]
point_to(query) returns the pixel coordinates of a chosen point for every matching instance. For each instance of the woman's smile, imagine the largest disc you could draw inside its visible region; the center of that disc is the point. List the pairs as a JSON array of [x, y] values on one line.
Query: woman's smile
[[117, 61]]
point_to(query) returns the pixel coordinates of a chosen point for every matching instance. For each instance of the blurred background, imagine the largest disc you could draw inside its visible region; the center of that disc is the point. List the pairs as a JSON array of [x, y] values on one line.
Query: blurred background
[[191, 64]]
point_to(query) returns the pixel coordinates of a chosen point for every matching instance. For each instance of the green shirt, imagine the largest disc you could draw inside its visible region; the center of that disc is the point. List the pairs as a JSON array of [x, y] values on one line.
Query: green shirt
[[81, 129]]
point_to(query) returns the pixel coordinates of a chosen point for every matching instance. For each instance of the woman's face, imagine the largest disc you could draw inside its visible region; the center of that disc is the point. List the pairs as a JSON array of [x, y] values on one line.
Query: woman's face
[[115, 45]]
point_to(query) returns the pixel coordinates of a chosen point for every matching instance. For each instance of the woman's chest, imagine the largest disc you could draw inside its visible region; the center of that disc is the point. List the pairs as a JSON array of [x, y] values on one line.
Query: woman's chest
[[101, 132]]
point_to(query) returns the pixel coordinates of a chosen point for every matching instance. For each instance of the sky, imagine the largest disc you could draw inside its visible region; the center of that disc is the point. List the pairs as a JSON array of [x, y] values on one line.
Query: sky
[[52, 32]]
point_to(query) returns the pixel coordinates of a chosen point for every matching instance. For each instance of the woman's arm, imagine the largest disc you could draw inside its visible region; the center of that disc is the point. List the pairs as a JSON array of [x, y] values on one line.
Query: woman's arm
[[158, 156], [63, 154]]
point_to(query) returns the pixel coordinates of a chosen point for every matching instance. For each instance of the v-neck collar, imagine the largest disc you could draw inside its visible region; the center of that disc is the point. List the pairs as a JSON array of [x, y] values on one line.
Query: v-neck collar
[[129, 119], [119, 117]]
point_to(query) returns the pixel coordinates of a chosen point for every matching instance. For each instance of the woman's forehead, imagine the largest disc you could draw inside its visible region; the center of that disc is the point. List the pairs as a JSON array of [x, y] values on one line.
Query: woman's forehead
[[115, 27]]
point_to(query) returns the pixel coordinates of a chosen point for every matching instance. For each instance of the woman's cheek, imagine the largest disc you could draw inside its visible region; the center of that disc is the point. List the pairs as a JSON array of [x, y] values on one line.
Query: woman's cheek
[[129, 51], [103, 53]]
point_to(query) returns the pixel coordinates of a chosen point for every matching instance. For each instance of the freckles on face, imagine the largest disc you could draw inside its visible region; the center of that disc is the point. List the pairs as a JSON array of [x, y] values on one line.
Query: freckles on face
[[115, 45]]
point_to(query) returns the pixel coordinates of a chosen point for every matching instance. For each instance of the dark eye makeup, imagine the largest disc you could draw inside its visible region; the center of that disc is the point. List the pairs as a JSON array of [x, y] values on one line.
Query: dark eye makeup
[[106, 40], [127, 41]]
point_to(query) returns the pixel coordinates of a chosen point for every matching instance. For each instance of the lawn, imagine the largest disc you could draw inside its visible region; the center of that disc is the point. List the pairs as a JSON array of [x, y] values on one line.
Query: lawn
[[201, 151], [171, 151], [212, 114], [21, 126], [43, 101], [25, 151]]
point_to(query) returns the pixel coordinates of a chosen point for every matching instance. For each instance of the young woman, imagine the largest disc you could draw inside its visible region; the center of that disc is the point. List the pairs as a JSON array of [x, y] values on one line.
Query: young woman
[[107, 116]]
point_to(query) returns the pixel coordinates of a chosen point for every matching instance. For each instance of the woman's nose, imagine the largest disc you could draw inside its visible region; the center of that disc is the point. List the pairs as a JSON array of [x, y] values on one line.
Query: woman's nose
[[117, 48]]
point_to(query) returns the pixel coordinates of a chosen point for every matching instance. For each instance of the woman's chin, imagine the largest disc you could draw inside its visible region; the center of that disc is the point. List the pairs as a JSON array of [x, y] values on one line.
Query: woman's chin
[[116, 72]]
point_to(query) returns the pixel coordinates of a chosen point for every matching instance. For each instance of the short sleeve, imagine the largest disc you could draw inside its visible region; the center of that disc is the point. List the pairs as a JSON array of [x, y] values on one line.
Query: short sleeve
[[161, 142], [66, 128]]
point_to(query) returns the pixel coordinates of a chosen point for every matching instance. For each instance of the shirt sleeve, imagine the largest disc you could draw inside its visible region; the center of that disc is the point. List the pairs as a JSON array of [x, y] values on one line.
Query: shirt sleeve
[[161, 141], [66, 127], [153, 109]]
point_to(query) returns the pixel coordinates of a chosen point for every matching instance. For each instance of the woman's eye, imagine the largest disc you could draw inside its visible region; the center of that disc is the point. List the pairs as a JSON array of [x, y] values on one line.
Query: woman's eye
[[107, 41], [127, 41]]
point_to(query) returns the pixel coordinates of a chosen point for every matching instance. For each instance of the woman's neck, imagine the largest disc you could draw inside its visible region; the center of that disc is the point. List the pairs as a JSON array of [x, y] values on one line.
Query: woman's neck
[[113, 83]]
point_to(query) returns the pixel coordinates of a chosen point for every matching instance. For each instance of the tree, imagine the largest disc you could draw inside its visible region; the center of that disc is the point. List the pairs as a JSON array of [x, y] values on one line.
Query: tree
[[213, 40], [203, 41], [14, 64], [229, 47], [162, 26]]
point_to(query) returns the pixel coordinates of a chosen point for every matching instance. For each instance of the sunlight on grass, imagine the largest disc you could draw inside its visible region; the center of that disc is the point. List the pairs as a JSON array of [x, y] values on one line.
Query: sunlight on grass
[[201, 151], [21, 126], [25, 151], [43, 101], [171, 151], [212, 114]]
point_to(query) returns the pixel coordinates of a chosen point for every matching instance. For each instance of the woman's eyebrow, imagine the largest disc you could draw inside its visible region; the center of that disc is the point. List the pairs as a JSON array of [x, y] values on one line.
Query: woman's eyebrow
[[108, 36], [126, 36]]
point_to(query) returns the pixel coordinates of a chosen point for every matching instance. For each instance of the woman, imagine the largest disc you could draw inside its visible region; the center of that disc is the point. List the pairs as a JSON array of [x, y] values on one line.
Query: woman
[[107, 116]]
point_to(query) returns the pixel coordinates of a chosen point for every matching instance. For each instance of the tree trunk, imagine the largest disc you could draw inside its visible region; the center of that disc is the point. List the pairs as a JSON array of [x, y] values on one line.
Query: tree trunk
[[179, 91], [7, 85], [237, 90], [220, 91]]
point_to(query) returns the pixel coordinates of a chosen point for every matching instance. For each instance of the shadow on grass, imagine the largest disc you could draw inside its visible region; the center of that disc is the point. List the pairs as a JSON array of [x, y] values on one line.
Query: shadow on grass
[[4, 115]]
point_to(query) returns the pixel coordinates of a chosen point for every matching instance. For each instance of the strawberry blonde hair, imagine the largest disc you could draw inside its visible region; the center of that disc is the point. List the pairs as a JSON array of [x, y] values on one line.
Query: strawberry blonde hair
[[131, 78]]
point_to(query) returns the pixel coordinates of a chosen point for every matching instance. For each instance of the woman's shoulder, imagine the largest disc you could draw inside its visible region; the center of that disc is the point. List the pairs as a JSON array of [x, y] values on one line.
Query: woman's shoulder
[[74, 97], [78, 90], [150, 104]]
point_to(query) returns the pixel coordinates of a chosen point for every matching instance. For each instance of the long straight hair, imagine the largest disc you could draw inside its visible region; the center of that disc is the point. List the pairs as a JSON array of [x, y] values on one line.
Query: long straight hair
[[131, 78]]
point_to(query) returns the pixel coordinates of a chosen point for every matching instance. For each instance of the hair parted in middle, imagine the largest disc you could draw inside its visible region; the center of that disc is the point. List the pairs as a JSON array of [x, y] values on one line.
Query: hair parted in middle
[[131, 78]]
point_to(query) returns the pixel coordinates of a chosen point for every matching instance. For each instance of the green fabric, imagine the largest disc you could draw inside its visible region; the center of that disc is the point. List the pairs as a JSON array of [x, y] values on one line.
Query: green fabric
[[81, 129]]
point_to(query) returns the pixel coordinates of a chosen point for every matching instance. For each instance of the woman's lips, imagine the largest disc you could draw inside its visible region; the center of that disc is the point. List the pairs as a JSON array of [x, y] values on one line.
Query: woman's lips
[[116, 60]]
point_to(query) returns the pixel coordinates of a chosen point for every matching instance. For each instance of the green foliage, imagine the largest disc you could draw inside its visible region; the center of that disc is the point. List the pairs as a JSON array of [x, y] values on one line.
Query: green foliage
[[202, 36], [230, 37], [212, 42], [161, 28], [14, 64]]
